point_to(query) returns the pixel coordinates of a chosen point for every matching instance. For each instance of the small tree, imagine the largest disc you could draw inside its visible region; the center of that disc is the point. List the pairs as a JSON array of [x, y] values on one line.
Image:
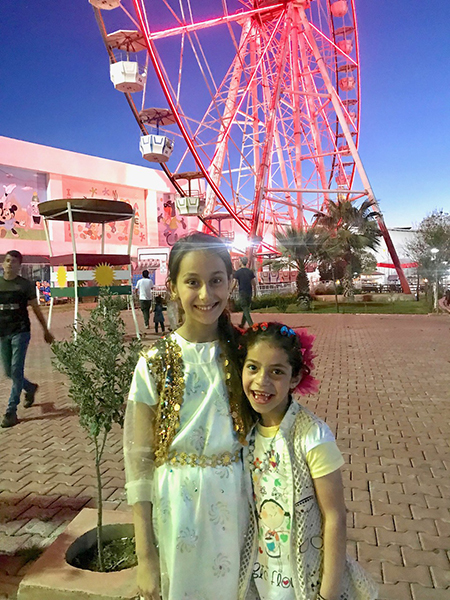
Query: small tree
[[99, 364], [300, 247], [432, 232], [351, 230]]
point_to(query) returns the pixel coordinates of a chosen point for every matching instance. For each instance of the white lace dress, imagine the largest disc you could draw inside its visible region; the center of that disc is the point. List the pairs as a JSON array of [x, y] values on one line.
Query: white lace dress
[[200, 512]]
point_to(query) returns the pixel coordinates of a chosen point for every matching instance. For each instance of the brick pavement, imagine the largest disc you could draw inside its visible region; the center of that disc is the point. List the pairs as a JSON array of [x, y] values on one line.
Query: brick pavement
[[385, 390]]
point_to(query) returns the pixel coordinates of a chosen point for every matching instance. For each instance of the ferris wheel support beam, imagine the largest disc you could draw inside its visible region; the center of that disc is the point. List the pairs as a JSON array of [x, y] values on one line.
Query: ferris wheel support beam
[[267, 148], [254, 49], [278, 147], [351, 144], [312, 117], [297, 128]]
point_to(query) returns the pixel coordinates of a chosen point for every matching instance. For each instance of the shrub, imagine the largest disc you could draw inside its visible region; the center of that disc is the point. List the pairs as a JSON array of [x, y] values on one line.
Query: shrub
[[280, 302], [323, 289]]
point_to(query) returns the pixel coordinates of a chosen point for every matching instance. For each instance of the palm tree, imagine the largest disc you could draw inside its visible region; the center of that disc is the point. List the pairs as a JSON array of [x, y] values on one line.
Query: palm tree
[[350, 231], [300, 246]]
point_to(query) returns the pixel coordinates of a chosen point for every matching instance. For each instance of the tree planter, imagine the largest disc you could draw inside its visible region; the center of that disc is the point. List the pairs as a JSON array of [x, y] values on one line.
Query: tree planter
[[52, 578]]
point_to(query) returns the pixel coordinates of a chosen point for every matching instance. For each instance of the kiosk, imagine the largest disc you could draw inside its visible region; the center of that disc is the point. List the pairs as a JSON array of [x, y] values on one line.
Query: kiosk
[[71, 272]]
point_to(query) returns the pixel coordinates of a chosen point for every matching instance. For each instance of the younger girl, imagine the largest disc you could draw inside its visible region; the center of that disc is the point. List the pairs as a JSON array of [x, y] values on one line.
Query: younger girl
[[184, 428], [297, 485]]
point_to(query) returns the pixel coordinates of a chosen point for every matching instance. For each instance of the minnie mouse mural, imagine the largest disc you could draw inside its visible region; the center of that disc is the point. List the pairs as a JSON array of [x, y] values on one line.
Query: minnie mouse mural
[[8, 220], [168, 221]]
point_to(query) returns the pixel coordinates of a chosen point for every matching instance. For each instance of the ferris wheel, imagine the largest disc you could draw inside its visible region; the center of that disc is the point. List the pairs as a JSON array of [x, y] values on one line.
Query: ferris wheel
[[260, 105]]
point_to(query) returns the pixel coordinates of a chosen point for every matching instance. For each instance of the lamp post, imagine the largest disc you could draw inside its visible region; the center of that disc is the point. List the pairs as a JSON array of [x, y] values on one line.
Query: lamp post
[[434, 252]]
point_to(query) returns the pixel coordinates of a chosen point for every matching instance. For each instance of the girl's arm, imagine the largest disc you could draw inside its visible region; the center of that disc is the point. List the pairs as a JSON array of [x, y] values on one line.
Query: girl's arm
[[139, 469], [330, 495], [148, 573]]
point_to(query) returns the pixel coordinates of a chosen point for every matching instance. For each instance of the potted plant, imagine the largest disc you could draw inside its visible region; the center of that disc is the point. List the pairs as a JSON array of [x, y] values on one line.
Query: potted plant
[[99, 364]]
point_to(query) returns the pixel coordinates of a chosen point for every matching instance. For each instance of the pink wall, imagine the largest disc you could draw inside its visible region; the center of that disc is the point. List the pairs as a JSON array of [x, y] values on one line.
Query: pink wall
[[31, 173]]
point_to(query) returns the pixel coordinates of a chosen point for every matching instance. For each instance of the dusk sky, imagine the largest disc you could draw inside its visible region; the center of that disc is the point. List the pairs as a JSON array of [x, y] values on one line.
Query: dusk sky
[[55, 90]]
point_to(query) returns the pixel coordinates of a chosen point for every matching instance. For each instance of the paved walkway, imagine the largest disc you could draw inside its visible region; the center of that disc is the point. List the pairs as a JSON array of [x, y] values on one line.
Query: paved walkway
[[385, 390]]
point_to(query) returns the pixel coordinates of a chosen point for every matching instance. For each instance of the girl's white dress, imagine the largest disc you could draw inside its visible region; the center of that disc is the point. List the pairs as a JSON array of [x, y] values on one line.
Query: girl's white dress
[[200, 512]]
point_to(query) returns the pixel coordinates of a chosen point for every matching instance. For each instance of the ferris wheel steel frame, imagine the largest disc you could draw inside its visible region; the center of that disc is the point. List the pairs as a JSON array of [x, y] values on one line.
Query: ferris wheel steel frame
[[279, 70]]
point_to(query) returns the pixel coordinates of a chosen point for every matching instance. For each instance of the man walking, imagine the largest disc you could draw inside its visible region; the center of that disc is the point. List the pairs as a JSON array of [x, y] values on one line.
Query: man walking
[[247, 287], [15, 294], [144, 290]]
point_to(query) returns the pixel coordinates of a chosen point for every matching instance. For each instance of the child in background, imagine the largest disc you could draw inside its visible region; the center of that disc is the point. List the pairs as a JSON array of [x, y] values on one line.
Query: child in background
[[158, 315], [46, 292], [297, 485], [184, 429]]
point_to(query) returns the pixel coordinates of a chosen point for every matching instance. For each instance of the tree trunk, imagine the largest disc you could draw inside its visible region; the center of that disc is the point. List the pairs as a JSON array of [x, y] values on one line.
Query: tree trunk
[[347, 283], [335, 288], [101, 562], [302, 280]]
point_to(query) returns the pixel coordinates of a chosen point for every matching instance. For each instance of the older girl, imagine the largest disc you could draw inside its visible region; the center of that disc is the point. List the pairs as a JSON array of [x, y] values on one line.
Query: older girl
[[184, 428]]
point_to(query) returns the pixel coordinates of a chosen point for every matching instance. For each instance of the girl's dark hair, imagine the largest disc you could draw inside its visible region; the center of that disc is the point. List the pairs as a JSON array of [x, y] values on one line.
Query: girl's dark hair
[[278, 335], [197, 241], [229, 336]]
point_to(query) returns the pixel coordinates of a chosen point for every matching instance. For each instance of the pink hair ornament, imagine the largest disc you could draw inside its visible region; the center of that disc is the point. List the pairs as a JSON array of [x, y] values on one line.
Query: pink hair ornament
[[308, 384]]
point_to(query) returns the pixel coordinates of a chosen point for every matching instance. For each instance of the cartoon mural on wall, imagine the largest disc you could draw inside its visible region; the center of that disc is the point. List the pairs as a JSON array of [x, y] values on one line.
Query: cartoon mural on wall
[[115, 232], [21, 190], [170, 225]]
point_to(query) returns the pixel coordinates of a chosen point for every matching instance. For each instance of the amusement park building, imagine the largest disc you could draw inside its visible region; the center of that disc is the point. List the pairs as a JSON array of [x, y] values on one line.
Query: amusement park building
[[31, 173]]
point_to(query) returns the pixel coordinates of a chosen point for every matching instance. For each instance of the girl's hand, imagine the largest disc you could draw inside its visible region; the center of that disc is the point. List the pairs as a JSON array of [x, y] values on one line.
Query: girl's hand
[[148, 579]]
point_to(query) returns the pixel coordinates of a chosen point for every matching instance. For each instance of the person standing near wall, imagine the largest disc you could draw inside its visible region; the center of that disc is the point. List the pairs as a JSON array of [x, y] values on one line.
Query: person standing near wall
[[144, 291], [246, 280], [16, 293]]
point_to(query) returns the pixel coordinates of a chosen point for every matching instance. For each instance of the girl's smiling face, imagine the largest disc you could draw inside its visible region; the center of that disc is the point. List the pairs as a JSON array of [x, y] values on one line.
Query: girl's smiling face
[[267, 381], [202, 287]]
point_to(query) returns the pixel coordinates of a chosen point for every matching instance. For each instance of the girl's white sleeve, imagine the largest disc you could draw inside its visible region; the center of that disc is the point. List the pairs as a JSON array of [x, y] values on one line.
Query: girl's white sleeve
[[321, 451], [138, 444]]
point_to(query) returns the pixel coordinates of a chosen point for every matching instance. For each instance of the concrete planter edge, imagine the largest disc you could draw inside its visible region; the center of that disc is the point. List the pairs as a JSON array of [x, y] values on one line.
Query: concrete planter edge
[[52, 578]]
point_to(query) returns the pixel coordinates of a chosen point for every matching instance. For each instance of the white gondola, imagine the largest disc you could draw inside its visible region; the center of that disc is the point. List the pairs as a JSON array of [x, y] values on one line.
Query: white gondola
[[126, 77], [190, 205], [345, 45], [339, 8], [105, 4], [126, 73], [156, 147], [347, 83]]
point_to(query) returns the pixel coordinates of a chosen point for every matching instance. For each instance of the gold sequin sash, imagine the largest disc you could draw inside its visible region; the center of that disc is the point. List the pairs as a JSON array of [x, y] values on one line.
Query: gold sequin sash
[[224, 459], [167, 368]]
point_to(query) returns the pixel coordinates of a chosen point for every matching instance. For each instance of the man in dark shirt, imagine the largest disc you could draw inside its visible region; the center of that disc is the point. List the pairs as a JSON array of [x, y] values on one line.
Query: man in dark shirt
[[247, 287], [15, 294]]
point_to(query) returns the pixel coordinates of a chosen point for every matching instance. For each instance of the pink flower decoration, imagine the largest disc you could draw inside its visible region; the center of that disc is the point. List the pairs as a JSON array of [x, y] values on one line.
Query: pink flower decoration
[[308, 384]]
